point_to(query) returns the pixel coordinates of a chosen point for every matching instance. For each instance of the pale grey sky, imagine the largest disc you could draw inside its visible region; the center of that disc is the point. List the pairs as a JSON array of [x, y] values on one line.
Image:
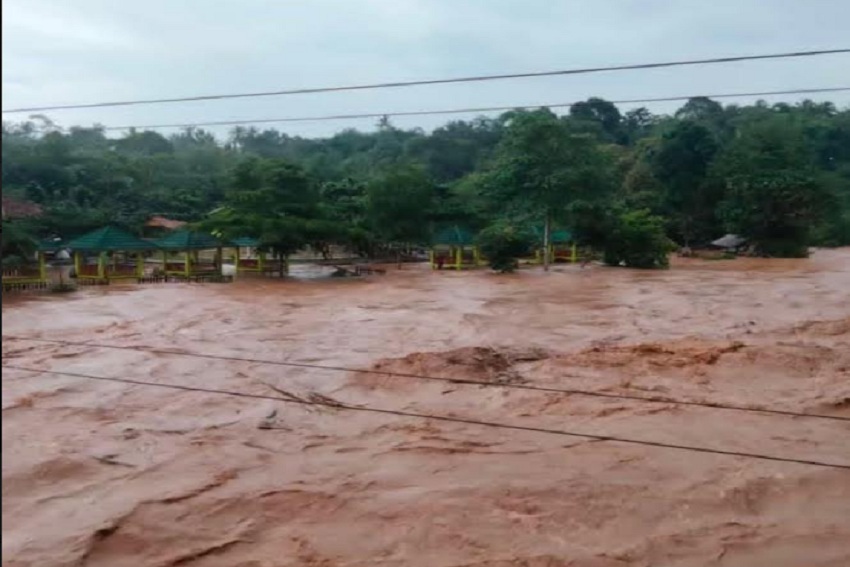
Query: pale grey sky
[[62, 52]]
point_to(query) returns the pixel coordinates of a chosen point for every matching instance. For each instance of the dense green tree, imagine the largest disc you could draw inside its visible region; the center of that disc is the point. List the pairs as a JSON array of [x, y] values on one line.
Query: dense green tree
[[637, 239], [503, 244], [779, 173], [775, 193], [681, 163], [274, 201], [398, 205], [602, 113], [543, 167]]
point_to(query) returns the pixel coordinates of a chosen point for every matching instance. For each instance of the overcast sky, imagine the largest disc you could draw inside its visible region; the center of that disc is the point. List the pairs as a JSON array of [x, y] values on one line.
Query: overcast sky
[[80, 51]]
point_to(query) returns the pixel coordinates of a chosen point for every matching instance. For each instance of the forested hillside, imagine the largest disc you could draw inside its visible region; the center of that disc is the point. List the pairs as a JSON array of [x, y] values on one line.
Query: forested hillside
[[778, 175]]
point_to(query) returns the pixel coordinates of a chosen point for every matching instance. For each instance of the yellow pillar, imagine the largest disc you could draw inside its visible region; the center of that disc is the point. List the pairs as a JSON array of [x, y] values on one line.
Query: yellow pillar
[[261, 260], [574, 253], [219, 254], [42, 267], [236, 260], [101, 266], [78, 262], [187, 264], [458, 257], [140, 265], [476, 254]]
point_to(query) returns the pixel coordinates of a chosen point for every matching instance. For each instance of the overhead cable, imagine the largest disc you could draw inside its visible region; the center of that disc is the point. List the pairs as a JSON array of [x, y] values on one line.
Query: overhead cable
[[400, 84]]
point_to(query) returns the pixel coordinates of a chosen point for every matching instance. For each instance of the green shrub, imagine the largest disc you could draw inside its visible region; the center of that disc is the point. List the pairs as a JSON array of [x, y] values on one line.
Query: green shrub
[[503, 245], [637, 239]]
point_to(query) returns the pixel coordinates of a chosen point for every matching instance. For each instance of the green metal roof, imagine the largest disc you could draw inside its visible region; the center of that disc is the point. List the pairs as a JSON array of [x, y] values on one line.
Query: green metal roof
[[184, 239], [245, 242], [454, 236], [109, 239], [559, 236]]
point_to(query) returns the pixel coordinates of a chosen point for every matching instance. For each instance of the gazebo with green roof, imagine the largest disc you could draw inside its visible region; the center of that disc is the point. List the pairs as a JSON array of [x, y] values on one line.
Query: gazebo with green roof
[[114, 242], [191, 243], [31, 276], [562, 246], [454, 246], [260, 263]]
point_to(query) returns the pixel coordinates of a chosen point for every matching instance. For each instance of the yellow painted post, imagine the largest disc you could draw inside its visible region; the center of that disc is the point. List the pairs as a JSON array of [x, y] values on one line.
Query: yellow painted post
[[476, 254], [458, 257], [261, 261], [42, 267], [236, 261], [101, 266], [187, 264], [574, 253], [140, 265], [431, 258], [219, 254], [78, 262]]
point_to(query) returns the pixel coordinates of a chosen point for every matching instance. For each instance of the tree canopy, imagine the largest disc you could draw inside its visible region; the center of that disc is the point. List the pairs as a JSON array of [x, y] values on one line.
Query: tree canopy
[[778, 175]]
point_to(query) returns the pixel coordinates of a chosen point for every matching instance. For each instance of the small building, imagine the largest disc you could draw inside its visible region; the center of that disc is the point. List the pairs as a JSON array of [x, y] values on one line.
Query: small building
[[19, 208], [730, 242], [562, 246], [250, 258], [190, 244], [158, 226], [454, 248], [118, 256]]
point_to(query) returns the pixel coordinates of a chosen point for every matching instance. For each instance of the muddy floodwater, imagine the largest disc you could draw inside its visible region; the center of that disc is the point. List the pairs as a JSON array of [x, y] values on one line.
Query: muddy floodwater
[[110, 474]]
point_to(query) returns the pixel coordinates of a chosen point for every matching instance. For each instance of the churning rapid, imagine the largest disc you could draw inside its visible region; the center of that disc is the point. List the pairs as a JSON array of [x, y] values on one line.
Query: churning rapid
[[105, 474]]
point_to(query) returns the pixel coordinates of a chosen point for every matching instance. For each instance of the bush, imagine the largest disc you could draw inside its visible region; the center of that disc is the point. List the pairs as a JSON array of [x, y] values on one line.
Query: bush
[[638, 240], [503, 245]]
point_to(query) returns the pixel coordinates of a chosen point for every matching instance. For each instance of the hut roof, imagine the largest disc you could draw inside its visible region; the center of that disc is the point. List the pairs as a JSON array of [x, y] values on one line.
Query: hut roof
[[245, 242], [729, 241], [162, 222], [559, 236], [51, 245], [19, 208], [454, 236], [184, 239], [110, 239]]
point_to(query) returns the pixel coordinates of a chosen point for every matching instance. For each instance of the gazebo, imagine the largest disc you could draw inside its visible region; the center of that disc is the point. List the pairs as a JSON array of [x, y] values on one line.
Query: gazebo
[[191, 243], [260, 264], [562, 246], [32, 276], [454, 247], [120, 255]]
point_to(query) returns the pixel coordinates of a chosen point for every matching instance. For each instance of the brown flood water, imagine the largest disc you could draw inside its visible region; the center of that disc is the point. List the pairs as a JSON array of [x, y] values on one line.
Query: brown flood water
[[100, 474]]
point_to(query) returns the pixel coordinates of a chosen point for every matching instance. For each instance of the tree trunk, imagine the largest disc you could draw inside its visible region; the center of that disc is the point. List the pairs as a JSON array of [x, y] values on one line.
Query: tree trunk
[[547, 244]]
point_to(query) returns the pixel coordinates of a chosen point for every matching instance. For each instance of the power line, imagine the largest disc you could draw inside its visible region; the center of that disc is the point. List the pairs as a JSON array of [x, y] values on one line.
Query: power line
[[467, 110], [470, 79], [464, 381], [437, 417]]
